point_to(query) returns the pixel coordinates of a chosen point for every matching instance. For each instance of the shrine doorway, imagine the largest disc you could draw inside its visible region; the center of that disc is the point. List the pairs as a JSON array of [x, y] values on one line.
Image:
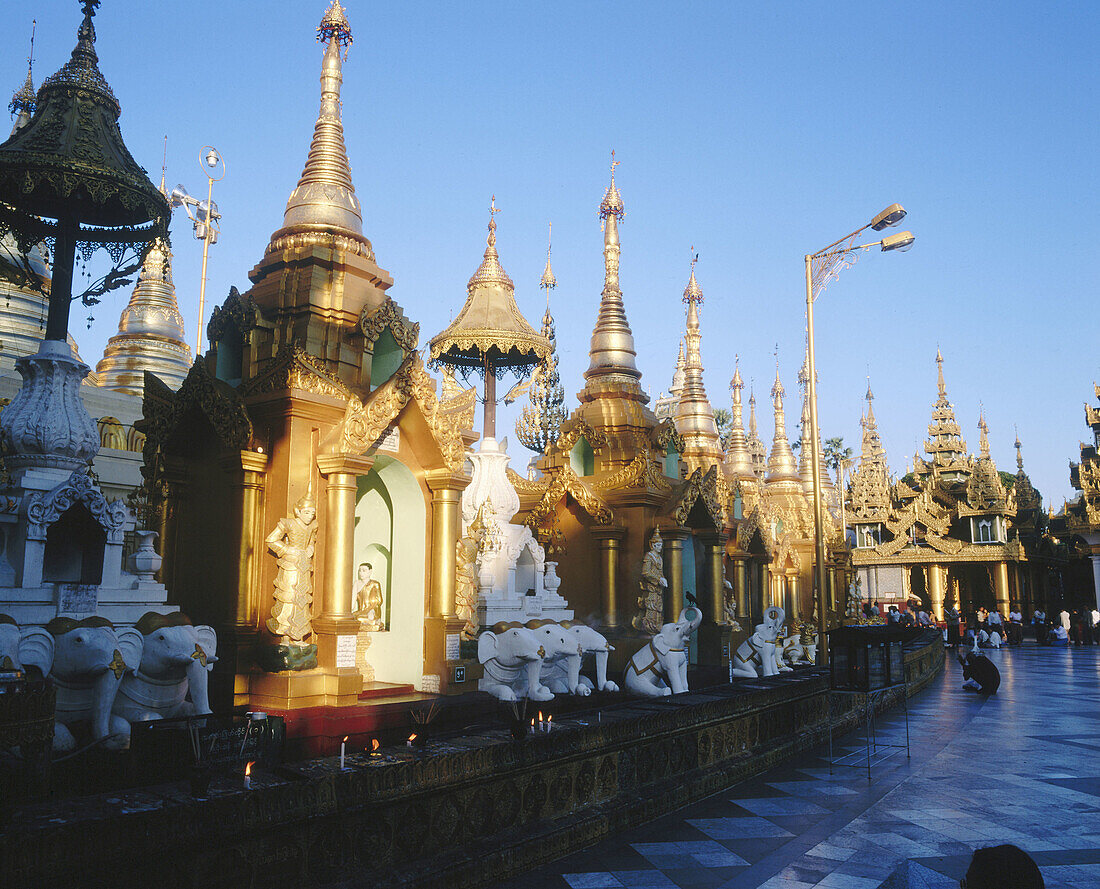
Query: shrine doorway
[[391, 535]]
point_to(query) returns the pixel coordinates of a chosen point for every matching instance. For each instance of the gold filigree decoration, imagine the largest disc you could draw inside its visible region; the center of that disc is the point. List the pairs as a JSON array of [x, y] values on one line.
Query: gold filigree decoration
[[785, 550], [290, 239], [236, 312], [364, 423], [405, 333], [572, 429], [755, 523], [665, 434], [524, 485], [294, 368], [567, 482], [700, 487], [163, 410]]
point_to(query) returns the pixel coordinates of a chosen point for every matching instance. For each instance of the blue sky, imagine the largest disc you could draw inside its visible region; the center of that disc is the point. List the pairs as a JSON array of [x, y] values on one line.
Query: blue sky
[[755, 132]]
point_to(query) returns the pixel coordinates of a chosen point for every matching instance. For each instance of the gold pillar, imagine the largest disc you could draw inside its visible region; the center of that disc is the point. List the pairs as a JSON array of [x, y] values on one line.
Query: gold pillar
[[765, 589], [254, 465], [674, 570], [446, 497], [716, 552], [1000, 586], [610, 542], [935, 590], [793, 593], [335, 654], [741, 589]]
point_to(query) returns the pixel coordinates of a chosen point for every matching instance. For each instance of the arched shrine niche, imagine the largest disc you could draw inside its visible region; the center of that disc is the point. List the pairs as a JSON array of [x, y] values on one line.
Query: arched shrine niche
[[74, 548], [390, 534]]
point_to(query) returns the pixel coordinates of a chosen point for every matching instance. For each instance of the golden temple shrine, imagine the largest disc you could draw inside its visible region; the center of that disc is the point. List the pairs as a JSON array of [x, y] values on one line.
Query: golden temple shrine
[[955, 532]]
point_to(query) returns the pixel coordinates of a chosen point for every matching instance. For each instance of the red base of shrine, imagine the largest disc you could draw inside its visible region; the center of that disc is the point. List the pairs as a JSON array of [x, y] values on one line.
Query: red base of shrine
[[318, 731]]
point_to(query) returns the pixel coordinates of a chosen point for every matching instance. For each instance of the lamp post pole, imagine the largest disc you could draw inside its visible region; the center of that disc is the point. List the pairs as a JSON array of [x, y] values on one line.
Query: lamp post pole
[[205, 254], [830, 261], [209, 159], [815, 462]]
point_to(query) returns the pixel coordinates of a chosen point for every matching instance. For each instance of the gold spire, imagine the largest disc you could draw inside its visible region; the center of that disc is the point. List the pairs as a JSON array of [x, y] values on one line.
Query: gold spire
[[738, 457], [24, 100], [490, 270], [1019, 453], [150, 331], [945, 443], [870, 484], [756, 446], [693, 414], [782, 471], [983, 439], [612, 350], [324, 200], [678, 375], [805, 456], [548, 282]]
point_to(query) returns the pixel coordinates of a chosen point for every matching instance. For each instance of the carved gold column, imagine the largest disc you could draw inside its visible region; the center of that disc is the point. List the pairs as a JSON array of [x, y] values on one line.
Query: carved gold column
[[336, 629], [610, 542], [1000, 586], [443, 628], [716, 551], [793, 593], [935, 590], [765, 591], [254, 465], [674, 571], [741, 589]]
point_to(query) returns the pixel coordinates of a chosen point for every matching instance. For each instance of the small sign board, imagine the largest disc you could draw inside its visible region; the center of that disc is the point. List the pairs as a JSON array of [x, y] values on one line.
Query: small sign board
[[460, 675], [164, 749], [77, 598], [345, 651], [391, 441], [454, 647]]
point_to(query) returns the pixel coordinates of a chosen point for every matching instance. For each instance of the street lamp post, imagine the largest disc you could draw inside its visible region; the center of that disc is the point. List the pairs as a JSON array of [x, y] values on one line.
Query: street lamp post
[[204, 215], [820, 268]]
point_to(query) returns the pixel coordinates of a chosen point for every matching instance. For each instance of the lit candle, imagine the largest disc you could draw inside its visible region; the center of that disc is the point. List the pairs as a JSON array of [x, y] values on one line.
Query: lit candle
[[248, 777], [374, 745], [532, 725], [343, 747], [412, 738], [540, 721], [548, 718]]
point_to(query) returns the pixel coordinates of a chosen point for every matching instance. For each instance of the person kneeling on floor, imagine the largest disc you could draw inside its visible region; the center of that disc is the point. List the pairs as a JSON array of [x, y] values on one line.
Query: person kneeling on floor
[[979, 672]]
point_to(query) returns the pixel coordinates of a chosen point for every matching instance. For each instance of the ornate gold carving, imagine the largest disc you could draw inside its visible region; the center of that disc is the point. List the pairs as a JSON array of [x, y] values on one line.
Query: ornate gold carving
[[294, 368], [567, 482], [665, 434], [572, 429], [237, 311], [525, 485], [364, 423], [702, 487], [219, 402], [405, 332]]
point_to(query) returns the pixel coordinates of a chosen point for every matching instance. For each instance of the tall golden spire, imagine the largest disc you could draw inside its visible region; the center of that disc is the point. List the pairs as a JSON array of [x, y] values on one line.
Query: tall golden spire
[[805, 456], [24, 100], [612, 350], [945, 443], [870, 490], [983, 438], [324, 200], [782, 472], [1019, 453], [693, 414], [678, 375], [738, 456], [548, 282], [756, 446]]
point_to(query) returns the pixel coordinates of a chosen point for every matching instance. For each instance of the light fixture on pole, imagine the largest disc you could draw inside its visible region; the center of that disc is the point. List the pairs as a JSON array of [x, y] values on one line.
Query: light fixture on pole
[[204, 216], [822, 267]]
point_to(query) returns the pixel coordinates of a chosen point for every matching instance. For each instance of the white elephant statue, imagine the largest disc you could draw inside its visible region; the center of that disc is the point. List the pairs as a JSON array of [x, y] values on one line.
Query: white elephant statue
[[20, 649], [176, 660], [660, 668], [592, 642], [757, 655], [511, 656], [561, 663], [89, 661]]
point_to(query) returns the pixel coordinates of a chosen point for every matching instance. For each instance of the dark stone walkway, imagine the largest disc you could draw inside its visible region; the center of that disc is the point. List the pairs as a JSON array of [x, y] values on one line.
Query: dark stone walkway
[[1022, 767]]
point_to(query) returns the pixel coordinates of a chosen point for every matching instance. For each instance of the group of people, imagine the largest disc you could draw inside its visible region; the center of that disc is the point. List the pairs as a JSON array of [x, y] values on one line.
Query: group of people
[[1081, 627]]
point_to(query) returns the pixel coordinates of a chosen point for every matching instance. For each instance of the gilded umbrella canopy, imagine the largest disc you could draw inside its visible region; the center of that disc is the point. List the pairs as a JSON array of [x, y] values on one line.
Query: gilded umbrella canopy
[[68, 178], [490, 336]]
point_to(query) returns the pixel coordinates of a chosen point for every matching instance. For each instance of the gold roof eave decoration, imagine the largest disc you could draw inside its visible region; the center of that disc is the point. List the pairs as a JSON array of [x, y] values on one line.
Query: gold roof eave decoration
[[489, 331]]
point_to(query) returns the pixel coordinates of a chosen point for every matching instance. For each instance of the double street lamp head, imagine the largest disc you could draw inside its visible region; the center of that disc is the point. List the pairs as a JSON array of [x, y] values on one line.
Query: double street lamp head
[[901, 242], [888, 218]]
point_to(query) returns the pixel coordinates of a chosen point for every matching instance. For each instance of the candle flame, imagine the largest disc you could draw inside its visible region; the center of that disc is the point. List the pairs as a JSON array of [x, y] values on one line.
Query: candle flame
[[374, 745], [412, 737], [345, 739], [548, 718], [248, 769], [540, 716]]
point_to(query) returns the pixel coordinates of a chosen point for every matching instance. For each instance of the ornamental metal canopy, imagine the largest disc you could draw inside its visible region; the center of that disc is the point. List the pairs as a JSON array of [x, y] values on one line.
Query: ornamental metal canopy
[[489, 334], [70, 162]]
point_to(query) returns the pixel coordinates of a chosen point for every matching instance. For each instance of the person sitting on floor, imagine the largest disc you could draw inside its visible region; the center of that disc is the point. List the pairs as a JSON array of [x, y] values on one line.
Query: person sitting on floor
[[989, 640], [979, 673], [1002, 867], [1059, 636]]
